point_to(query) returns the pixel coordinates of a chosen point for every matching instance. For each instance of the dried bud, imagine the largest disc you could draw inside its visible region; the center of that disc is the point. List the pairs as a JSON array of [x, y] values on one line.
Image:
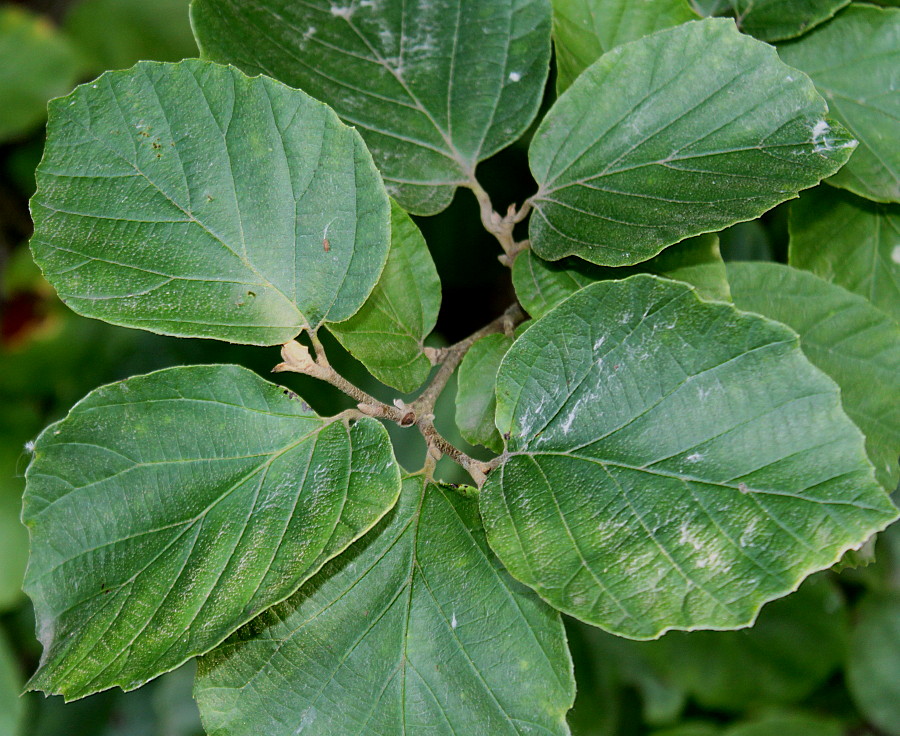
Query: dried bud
[[296, 358]]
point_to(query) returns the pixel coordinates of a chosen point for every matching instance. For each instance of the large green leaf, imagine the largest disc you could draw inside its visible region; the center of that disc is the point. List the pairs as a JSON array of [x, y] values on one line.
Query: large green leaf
[[853, 61], [671, 463], [583, 30], [191, 200], [541, 285], [169, 509], [416, 630], [851, 242], [475, 398], [873, 668], [115, 34], [433, 87], [387, 334], [683, 132], [12, 707], [843, 335], [36, 63], [775, 20]]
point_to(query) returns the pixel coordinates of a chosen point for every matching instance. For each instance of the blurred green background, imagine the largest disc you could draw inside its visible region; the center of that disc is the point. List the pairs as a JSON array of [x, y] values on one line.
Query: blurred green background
[[822, 662]]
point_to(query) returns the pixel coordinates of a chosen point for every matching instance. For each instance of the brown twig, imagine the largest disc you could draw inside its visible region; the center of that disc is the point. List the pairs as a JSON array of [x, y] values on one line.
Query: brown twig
[[296, 358], [501, 227], [451, 356]]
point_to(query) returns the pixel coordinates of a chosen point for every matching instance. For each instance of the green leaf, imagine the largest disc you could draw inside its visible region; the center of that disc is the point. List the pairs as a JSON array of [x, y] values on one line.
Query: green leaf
[[191, 200], [541, 285], [475, 398], [709, 8], [842, 334], [700, 127], [12, 707], [387, 334], [672, 463], [115, 34], [853, 61], [873, 669], [776, 20], [583, 30], [416, 630], [851, 242], [169, 509], [793, 647], [434, 87], [690, 729], [17, 420], [789, 725], [36, 63]]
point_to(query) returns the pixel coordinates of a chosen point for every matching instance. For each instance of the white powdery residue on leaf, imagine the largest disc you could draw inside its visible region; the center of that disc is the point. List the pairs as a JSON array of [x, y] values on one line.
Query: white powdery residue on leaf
[[694, 457], [895, 254], [453, 621], [689, 537], [823, 143], [342, 12], [748, 534], [515, 77], [820, 130], [570, 418]]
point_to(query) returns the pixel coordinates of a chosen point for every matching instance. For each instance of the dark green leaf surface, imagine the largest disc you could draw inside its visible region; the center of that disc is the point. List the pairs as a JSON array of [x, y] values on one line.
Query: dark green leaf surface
[[690, 729], [794, 645], [851, 242], [776, 20], [191, 200], [415, 630], [583, 30], [387, 334], [853, 61], [673, 463], [789, 725], [843, 335], [476, 400], [683, 132], [433, 87], [708, 8], [169, 509], [873, 668], [36, 63], [114, 34], [12, 707], [541, 285]]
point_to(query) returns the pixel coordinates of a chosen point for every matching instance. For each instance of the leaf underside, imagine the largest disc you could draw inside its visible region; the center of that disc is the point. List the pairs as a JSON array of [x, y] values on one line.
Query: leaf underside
[[191, 200], [686, 131], [853, 61], [416, 629], [387, 334], [541, 285], [475, 397], [842, 334], [583, 30], [673, 463], [776, 20], [169, 509], [851, 242], [433, 87]]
